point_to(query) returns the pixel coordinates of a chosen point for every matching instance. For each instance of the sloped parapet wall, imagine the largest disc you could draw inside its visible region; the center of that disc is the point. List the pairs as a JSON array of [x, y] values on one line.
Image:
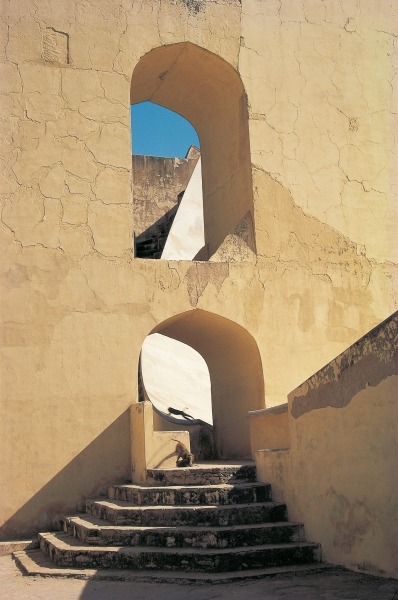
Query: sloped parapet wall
[[365, 364], [339, 475]]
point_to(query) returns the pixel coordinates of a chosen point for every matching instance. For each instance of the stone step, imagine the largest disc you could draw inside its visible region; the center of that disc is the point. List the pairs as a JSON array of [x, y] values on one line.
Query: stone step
[[35, 563], [67, 552], [123, 513], [94, 531], [202, 475], [224, 493]]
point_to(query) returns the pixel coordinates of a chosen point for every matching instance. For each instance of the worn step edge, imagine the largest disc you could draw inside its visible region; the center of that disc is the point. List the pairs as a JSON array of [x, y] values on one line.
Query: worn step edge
[[191, 488], [91, 521], [120, 512], [91, 529], [115, 505], [36, 564], [228, 466], [63, 541], [221, 473], [201, 486], [185, 495]]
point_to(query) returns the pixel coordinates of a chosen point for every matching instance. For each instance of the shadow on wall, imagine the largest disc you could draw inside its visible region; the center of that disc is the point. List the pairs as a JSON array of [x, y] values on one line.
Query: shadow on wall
[[150, 243], [104, 461]]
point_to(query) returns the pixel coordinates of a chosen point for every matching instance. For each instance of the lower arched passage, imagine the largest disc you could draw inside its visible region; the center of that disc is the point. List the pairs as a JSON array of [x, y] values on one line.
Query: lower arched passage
[[235, 369]]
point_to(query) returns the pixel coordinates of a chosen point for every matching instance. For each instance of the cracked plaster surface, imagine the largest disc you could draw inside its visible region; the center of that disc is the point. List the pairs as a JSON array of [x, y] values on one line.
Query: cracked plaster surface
[[323, 110], [67, 135], [66, 146], [77, 307]]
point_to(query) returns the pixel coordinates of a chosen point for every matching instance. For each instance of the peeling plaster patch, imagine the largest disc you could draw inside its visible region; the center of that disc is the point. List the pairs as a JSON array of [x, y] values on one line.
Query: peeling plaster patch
[[194, 6], [200, 274], [55, 46], [368, 362], [349, 520], [169, 280], [239, 245], [353, 124], [287, 234]]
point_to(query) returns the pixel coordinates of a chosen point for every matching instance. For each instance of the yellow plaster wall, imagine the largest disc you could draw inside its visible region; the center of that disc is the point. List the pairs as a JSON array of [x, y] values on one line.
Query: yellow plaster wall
[[321, 82], [338, 476], [339, 480], [269, 429], [76, 306]]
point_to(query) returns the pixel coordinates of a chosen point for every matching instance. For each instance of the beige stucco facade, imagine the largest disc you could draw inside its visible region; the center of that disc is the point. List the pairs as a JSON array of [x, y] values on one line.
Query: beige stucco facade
[[294, 106]]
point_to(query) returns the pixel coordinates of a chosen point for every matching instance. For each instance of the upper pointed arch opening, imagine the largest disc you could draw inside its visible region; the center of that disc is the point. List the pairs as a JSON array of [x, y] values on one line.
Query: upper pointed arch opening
[[208, 92]]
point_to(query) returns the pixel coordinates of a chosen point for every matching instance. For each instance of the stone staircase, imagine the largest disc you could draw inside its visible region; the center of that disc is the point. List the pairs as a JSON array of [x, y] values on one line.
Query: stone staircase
[[189, 524]]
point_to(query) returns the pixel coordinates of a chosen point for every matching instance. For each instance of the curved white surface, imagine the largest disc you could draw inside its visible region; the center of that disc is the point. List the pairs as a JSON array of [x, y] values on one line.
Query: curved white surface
[[176, 375], [186, 236]]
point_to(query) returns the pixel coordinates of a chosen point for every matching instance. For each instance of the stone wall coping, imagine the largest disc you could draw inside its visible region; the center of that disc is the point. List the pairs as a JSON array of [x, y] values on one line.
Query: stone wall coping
[[365, 363], [269, 411]]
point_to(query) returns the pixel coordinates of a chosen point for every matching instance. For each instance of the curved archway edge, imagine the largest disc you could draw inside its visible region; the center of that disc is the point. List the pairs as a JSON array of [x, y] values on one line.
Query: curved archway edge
[[235, 369]]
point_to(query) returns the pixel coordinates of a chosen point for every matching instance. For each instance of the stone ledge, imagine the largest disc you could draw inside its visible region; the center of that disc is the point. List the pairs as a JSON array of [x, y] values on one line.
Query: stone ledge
[[273, 410], [34, 563], [17, 545]]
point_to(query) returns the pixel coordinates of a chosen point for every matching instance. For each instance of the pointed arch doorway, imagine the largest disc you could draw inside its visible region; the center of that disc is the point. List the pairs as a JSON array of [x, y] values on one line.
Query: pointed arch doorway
[[208, 92], [235, 369]]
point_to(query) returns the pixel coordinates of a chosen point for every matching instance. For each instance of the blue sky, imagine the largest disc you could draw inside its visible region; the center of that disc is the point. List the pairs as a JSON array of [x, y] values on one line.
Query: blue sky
[[157, 131]]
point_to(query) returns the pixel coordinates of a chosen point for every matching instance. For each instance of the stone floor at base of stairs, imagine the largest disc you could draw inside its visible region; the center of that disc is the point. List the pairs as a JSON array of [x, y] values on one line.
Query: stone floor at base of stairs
[[35, 563], [329, 584]]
